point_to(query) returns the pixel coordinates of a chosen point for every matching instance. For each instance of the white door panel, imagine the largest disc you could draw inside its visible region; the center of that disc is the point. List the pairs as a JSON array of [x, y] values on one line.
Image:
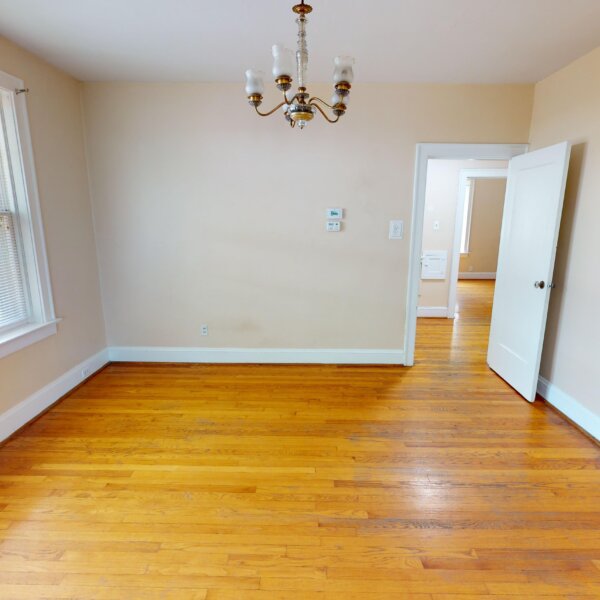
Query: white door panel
[[534, 199]]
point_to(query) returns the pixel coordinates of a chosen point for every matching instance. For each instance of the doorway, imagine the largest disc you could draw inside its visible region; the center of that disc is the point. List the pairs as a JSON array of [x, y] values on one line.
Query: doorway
[[463, 219], [425, 153], [532, 211], [461, 232]]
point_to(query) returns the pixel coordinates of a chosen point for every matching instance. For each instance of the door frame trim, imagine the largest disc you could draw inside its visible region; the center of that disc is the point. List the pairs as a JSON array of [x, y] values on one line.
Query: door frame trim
[[424, 152]]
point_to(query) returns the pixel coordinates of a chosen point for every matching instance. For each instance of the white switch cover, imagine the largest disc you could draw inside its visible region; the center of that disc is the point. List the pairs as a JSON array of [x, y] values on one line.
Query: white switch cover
[[335, 213], [396, 230], [436, 225], [334, 226]]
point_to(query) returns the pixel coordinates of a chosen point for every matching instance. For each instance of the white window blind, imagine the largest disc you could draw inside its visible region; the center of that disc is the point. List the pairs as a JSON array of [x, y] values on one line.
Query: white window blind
[[13, 284]]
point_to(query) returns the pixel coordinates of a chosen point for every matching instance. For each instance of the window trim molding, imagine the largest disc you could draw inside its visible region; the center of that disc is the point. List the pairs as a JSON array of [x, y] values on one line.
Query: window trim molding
[[25, 335], [42, 321]]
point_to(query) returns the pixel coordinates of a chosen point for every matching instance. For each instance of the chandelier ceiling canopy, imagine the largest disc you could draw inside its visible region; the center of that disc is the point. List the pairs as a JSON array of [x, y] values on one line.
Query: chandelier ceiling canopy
[[299, 107]]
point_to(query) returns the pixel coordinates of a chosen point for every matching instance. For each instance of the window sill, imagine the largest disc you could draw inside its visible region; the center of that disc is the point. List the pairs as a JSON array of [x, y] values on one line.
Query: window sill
[[21, 337]]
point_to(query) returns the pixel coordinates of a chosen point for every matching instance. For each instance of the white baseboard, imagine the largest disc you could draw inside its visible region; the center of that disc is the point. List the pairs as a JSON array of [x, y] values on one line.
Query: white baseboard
[[255, 355], [17, 416], [579, 414], [472, 275], [436, 312]]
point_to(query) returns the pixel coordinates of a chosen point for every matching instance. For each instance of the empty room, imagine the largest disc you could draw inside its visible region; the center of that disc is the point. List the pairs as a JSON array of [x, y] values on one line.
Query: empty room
[[297, 300]]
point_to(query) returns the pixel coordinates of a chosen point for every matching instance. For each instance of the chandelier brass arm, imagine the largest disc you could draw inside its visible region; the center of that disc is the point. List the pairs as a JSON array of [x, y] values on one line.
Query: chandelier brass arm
[[268, 114], [325, 114], [317, 99], [338, 109], [256, 100]]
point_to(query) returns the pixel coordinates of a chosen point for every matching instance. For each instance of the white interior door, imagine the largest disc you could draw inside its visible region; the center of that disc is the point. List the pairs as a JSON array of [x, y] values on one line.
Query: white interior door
[[535, 191]]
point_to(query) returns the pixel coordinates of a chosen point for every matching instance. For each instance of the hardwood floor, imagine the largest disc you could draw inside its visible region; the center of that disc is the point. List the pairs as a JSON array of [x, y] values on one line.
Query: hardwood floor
[[304, 482]]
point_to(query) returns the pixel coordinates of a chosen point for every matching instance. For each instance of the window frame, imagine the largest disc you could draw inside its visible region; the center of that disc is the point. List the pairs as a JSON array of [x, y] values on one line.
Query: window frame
[[41, 321]]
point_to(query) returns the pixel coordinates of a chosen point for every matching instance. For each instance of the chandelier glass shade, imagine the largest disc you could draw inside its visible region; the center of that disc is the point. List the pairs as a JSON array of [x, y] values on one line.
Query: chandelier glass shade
[[299, 107]]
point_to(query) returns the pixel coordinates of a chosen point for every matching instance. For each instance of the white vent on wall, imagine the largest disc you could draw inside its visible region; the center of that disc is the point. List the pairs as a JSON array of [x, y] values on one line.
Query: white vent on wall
[[434, 265]]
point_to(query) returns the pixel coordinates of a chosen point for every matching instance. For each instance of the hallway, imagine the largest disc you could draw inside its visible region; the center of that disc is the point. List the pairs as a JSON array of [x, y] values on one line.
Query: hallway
[[464, 339], [244, 482]]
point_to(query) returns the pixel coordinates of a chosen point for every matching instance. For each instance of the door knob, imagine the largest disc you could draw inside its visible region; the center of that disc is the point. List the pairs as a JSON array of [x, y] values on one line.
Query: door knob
[[540, 285]]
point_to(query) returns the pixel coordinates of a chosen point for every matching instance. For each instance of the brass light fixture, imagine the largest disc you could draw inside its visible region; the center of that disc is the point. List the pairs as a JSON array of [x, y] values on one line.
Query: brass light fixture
[[299, 107]]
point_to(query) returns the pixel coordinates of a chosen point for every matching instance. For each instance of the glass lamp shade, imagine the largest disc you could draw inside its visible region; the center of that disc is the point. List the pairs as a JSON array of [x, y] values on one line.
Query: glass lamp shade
[[343, 70], [283, 61], [255, 82], [337, 99]]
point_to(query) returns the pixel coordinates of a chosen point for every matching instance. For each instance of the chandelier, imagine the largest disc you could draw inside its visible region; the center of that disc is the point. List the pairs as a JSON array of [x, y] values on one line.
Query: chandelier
[[299, 107]]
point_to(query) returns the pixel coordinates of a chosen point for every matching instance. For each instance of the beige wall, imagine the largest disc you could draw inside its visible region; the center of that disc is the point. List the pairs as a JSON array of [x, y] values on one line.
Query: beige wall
[[567, 107], [486, 224], [441, 200], [57, 135], [207, 214]]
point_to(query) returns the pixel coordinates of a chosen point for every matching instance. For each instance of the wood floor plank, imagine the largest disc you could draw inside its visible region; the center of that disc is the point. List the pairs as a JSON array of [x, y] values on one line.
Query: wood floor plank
[[250, 482]]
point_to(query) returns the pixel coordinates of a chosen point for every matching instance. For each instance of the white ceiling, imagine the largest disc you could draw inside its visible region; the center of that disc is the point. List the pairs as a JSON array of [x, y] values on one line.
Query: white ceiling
[[475, 41]]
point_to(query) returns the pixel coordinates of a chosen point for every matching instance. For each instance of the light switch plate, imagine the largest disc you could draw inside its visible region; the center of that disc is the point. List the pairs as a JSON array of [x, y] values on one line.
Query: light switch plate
[[396, 230], [333, 226], [335, 213]]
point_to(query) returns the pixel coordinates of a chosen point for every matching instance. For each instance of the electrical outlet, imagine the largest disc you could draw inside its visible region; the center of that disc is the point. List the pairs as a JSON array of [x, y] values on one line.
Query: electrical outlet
[[204, 330], [86, 372]]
